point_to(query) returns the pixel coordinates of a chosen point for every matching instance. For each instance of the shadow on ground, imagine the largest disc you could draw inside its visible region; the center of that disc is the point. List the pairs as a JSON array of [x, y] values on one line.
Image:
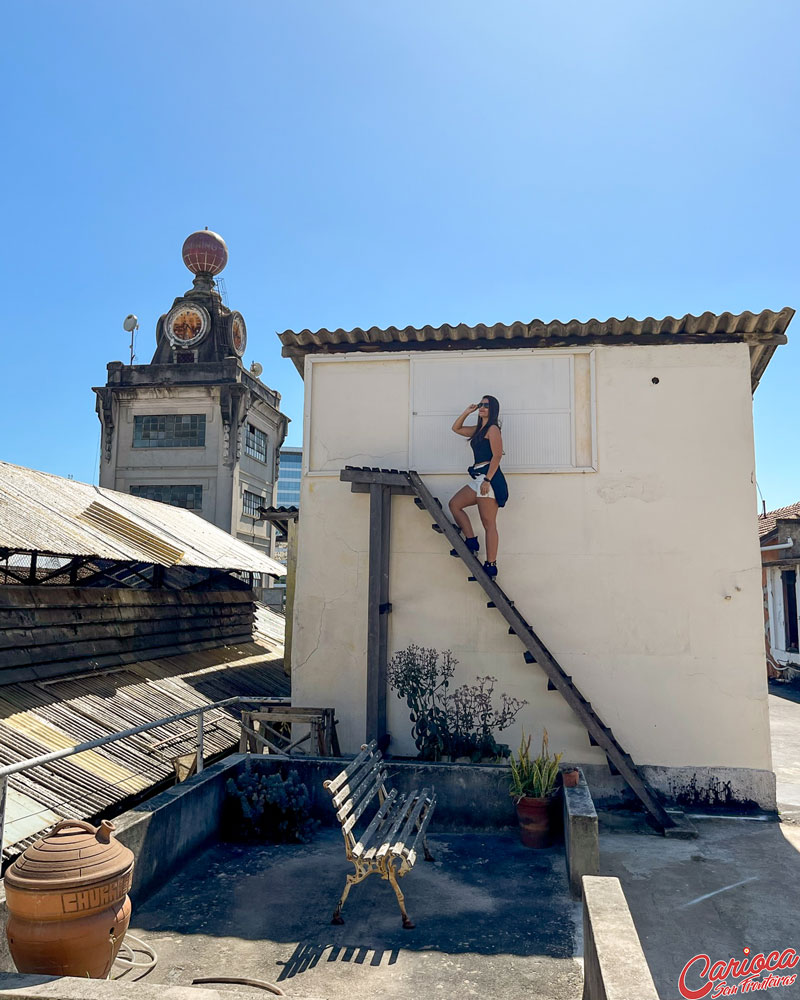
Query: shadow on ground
[[490, 916]]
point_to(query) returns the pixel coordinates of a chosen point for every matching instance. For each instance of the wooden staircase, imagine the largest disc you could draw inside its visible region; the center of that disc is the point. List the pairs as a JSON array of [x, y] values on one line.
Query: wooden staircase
[[535, 651]]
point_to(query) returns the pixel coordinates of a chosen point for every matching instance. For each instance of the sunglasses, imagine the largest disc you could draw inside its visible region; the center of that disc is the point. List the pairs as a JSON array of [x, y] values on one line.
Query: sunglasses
[[483, 406]]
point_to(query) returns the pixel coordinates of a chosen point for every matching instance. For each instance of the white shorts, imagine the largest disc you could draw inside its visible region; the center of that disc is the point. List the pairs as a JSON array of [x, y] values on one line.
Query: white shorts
[[475, 484]]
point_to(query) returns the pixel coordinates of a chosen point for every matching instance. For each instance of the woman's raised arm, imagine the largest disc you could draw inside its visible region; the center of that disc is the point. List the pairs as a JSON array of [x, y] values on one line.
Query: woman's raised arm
[[458, 426]]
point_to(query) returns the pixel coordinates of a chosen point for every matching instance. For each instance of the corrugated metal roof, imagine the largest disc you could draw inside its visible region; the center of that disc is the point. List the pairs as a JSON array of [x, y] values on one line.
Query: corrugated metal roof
[[747, 326], [40, 512], [767, 522], [38, 718]]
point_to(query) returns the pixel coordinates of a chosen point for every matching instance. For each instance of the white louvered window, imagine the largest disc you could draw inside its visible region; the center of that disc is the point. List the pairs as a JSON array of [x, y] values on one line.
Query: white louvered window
[[546, 426]]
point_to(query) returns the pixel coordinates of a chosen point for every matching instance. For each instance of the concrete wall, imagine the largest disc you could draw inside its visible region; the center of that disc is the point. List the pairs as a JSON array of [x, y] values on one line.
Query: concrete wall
[[643, 577]]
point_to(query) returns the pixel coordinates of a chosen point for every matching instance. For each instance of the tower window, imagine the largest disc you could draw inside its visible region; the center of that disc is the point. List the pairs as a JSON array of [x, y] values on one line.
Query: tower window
[[190, 497], [170, 430], [256, 443], [250, 504]]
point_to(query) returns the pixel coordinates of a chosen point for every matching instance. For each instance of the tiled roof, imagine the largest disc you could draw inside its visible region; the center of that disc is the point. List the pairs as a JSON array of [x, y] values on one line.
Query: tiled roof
[[767, 522], [761, 330]]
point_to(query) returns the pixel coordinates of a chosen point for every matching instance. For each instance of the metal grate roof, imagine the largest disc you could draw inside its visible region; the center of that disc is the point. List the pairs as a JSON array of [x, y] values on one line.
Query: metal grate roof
[[40, 512]]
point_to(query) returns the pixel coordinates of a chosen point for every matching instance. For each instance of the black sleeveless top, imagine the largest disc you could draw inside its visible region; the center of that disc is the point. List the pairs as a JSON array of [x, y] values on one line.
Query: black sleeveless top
[[482, 450]]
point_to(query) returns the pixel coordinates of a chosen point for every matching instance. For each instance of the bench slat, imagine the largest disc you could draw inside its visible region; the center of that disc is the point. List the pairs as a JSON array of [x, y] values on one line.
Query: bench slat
[[335, 783], [413, 816], [350, 821], [369, 785], [377, 821], [411, 855], [381, 835], [391, 835], [350, 788]]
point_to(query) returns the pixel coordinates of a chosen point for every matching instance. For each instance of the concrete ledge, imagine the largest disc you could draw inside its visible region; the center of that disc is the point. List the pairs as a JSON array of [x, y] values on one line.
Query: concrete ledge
[[614, 966], [694, 789], [70, 988], [581, 839]]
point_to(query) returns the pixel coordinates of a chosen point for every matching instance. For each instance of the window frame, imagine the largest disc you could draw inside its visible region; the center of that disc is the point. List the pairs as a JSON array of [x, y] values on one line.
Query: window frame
[[137, 417], [252, 453], [261, 503], [168, 486]]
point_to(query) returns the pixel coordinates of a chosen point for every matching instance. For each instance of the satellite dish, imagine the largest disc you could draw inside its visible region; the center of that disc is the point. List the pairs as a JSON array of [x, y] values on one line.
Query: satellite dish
[[256, 369], [130, 323]]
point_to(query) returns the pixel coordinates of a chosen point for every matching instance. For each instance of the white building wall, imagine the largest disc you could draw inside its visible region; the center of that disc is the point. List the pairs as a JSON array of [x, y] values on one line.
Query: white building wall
[[642, 577]]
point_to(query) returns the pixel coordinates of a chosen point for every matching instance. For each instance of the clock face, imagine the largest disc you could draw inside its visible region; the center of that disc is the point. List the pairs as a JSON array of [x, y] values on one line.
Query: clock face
[[238, 333], [187, 324]]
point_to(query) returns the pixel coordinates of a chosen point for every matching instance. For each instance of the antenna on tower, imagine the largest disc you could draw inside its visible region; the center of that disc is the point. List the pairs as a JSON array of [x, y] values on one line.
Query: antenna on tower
[[131, 324], [223, 291]]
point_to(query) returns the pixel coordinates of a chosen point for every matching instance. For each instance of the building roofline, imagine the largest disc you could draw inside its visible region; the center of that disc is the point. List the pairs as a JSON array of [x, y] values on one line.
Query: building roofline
[[763, 332]]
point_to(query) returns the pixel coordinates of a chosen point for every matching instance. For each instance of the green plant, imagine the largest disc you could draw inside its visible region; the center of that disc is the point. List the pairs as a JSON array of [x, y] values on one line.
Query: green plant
[[266, 807], [459, 723], [533, 778]]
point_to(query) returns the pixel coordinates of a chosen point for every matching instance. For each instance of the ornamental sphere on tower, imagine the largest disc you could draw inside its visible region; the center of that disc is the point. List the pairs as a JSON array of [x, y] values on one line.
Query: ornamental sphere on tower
[[205, 252]]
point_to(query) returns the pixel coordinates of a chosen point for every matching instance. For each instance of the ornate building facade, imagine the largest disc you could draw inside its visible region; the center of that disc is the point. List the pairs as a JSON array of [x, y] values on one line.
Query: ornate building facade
[[195, 428]]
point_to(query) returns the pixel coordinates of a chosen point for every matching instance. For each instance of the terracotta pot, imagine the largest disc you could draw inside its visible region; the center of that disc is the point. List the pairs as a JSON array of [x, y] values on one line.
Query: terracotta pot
[[571, 778], [68, 903], [534, 821]]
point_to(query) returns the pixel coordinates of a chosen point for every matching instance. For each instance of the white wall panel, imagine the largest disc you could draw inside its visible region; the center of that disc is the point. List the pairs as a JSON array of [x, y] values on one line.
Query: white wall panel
[[536, 394]]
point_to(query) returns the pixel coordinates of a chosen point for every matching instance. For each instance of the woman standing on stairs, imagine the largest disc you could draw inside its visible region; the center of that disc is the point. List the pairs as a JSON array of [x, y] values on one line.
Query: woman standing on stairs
[[492, 491]]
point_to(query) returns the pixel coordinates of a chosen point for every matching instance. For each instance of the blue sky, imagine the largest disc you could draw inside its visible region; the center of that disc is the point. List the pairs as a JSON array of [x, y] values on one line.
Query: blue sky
[[376, 164]]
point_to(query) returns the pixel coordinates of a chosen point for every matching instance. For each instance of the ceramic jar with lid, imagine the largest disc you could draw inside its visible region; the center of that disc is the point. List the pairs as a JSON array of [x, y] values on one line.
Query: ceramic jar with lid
[[67, 897]]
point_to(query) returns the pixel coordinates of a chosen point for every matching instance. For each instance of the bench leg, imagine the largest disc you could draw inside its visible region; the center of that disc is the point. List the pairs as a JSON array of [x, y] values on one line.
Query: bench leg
[[407, 922], [337, 913]]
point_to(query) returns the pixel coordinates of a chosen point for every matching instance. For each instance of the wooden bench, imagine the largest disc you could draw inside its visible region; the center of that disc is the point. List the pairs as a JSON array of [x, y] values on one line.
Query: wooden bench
[[387, 846]]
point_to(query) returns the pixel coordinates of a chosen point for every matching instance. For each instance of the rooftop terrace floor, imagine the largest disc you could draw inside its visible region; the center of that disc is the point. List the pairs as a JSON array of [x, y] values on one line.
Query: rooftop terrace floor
[[492, 919]]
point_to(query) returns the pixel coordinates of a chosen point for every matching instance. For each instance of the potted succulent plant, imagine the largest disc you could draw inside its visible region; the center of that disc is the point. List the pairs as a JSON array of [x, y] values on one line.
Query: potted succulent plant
[[533, 781]]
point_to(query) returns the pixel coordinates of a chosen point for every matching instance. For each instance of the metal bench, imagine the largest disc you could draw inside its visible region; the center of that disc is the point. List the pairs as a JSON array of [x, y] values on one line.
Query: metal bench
[[388, 844]]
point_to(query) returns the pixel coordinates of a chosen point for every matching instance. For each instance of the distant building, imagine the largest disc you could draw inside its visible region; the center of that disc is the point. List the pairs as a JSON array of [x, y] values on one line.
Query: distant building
[[194, 428], [779, 536], [289, 475]]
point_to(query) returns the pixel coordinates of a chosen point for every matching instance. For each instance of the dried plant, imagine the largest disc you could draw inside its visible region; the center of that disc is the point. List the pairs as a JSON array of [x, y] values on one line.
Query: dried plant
[[461, 723]]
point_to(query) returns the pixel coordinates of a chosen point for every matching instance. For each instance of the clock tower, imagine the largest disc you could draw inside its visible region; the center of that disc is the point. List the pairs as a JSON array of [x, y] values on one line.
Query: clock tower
[[195, 428]]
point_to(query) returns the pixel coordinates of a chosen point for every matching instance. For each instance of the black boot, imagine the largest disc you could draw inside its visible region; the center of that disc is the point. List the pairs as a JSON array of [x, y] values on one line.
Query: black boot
[[472, 544], [490, 568]]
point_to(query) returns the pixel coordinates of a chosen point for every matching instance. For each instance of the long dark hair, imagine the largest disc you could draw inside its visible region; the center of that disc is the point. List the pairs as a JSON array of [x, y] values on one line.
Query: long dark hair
[[494, 419]]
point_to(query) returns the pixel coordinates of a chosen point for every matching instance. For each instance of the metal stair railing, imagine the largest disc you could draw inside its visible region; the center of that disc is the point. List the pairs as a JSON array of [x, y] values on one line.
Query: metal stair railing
[[536, 652]]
